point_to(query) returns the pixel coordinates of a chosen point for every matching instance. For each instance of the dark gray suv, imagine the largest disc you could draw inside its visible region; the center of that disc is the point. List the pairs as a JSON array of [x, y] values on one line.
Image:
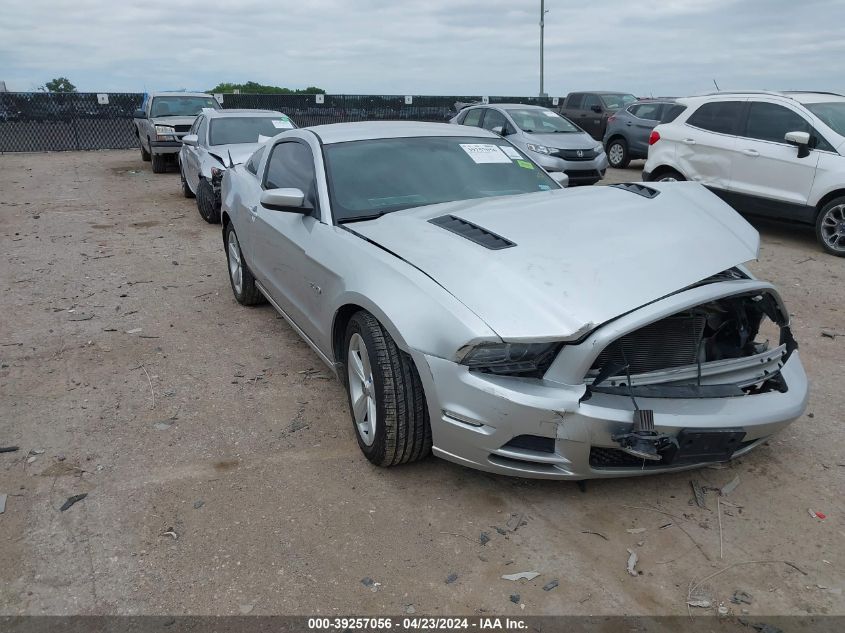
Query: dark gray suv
[[628, 130]]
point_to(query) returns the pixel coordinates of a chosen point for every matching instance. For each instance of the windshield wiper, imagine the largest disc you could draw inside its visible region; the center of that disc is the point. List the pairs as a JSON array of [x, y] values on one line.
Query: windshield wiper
[[361, 218]]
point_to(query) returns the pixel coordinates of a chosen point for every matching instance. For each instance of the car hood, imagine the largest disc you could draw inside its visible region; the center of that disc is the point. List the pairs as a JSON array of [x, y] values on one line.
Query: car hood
[[240, 152], [581, 256], [174, 120], [568, 140]]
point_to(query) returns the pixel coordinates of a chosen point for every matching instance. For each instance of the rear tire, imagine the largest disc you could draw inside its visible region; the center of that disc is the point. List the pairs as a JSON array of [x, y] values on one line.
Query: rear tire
[[669, 175], [186, 189], [617, 153], [159, 162], [240, 276], [830, 227], [206, 203], [384, 388]]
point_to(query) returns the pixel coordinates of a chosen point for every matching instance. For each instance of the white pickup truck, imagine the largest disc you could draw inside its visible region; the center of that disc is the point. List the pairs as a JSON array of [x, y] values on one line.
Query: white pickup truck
[[162, 122]]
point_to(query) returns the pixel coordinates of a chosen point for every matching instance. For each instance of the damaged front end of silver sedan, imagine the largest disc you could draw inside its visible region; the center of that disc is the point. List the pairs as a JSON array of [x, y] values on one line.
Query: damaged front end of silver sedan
[[699, 377]]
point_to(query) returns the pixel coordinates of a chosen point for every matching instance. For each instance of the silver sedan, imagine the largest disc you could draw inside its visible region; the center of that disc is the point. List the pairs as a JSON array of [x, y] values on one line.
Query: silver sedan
[[217, 140], [475, 309]]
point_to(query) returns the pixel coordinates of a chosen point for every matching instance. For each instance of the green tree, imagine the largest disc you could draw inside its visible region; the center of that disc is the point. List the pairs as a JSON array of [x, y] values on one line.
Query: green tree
[[59, 84], [255, 88]]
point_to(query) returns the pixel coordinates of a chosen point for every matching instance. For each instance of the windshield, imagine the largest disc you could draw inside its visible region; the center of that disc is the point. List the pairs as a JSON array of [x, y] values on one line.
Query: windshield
[[373, 177], [617, 101], [181, 106], [833, 114], [542, 122], [247, 129]]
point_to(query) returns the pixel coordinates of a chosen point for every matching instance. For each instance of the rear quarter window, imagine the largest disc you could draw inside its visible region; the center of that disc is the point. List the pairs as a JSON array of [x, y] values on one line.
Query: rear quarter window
[[672, 112], [717, 116]]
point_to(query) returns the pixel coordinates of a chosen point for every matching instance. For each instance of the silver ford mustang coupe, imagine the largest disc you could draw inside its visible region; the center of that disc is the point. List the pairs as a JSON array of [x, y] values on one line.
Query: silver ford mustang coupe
[[475, 309]]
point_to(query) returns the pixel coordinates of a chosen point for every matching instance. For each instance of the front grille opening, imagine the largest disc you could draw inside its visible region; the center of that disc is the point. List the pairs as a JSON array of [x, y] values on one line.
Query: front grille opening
[[730, 328], [532, 443]]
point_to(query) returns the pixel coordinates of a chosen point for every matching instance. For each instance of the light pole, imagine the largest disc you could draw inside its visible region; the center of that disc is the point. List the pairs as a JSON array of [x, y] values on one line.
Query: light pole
[[543, 13]]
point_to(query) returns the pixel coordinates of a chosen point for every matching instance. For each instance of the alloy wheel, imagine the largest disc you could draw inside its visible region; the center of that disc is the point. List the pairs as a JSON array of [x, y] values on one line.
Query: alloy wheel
[[361, 389], [833, 228], [235, 263], [616, 154]]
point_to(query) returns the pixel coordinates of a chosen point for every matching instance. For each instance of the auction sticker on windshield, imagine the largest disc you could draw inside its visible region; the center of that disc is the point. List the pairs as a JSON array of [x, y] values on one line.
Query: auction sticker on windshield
[[284, 124], [485, 153], [510, 152]]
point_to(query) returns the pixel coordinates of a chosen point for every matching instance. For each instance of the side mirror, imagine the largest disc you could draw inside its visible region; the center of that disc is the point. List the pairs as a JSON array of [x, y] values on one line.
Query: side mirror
[[801, 140], [190, 139], [139, 114], [290, 200], [596, 108], [560, 178]]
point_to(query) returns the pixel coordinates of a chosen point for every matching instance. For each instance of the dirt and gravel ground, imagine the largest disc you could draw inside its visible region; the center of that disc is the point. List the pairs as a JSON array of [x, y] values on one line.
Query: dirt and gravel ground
[[223, 476]]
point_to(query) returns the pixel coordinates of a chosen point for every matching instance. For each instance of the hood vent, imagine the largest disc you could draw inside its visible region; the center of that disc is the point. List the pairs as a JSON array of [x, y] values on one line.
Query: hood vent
[[640, 190], [472, 232]]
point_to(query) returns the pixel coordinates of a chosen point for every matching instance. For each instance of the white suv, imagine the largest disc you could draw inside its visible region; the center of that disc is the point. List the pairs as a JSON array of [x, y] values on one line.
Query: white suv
[[775, 154]]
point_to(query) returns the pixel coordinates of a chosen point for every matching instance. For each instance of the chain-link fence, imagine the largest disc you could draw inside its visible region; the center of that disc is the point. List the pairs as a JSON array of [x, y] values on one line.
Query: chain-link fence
[[41, 121]]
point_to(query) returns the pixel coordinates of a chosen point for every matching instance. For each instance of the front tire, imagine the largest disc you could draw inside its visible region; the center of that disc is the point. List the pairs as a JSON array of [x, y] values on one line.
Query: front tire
[[240, 276], [206, 203], [386, 398], [159, 163], [830, 227], [145, 155], [617, 153]]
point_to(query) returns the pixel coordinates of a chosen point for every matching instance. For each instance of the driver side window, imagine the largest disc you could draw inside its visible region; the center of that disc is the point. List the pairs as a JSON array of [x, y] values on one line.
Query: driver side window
[[292, 165], [254, 161], [494, 118], [202, 129], [590, 101]]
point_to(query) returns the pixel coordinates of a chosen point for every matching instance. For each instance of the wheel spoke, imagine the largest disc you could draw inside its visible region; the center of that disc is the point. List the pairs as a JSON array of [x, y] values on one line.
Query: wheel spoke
[[357, 366], [360, 407]]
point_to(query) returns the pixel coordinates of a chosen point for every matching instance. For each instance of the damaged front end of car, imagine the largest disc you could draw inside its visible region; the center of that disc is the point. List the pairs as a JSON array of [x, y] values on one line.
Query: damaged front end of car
[[698, 377], [729, 347]]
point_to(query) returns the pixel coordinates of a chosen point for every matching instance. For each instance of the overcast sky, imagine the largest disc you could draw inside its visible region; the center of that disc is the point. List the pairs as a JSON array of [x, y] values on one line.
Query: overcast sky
[[456, 47]]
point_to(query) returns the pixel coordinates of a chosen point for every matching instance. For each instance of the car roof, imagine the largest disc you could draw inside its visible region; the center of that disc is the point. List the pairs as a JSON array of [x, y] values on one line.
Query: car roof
[[365, 130], [180, 94], [517, 106], [240, 113], [799, 96]]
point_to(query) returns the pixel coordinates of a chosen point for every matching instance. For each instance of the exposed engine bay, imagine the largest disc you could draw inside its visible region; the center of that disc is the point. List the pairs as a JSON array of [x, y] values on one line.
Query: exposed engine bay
[[729, 347]]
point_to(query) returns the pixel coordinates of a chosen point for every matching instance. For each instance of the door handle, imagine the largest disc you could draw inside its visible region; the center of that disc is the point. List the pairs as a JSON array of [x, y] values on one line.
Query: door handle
[[689, 141], [750, 152]]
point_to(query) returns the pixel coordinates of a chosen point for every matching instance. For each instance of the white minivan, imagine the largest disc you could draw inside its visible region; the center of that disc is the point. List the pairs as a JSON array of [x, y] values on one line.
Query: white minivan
[[773, 154]]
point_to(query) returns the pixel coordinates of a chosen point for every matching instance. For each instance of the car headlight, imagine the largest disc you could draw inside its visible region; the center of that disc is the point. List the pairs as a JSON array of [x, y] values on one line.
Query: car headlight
[[598, 149], [540, 149], [511, 358], [165, 133]]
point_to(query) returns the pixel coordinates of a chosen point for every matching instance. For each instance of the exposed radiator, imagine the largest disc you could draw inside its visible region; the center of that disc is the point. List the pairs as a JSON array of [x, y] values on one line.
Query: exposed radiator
[[670, 342]]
